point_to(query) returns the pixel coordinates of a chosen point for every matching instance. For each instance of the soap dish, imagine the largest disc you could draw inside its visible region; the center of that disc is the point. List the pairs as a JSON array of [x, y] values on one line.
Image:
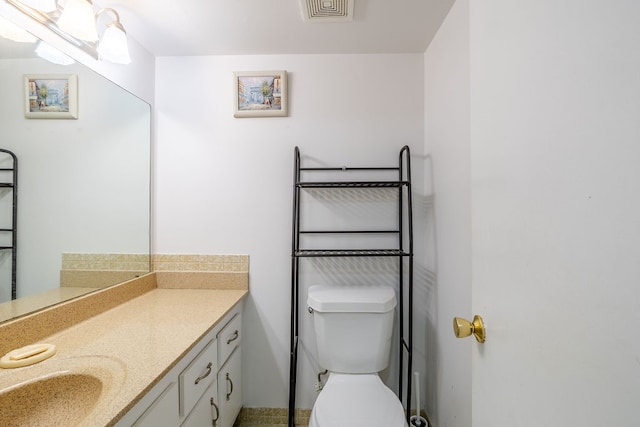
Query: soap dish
[[27, 355]]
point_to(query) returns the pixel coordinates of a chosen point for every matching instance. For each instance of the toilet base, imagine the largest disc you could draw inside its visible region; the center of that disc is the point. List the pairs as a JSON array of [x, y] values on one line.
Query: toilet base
[[357, 400]]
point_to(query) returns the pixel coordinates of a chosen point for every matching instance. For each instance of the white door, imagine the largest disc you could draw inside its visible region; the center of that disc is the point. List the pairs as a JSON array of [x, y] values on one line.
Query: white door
[[555, 166]]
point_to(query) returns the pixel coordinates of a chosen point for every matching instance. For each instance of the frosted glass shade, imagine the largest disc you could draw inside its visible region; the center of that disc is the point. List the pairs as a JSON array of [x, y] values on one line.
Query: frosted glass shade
[[51, 54], [113, 46], [78, 20]]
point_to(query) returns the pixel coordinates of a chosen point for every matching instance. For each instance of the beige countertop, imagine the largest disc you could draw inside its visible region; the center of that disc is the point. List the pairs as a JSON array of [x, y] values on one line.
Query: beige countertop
[[145, 336]]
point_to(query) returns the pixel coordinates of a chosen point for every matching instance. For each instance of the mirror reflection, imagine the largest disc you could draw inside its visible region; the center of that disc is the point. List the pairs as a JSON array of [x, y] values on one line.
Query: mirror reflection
[[83, 186]]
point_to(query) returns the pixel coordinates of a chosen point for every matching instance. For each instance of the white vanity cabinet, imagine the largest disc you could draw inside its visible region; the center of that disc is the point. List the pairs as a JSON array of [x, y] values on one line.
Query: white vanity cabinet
[[203, 389], [230, 390], [206, 412], [197, 377], [230, 375], [220, 406], [163, 410]]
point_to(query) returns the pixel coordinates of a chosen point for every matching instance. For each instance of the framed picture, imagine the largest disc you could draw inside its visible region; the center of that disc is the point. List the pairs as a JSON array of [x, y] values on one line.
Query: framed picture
[[51, 96], [260, 94]]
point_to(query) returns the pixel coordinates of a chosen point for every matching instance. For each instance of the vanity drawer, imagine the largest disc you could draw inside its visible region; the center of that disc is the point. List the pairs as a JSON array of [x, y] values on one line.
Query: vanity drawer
[[229, 338], [196, 377]]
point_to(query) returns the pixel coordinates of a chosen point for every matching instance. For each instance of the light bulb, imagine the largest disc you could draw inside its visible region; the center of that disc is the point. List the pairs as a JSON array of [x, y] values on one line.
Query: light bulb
[[113, 45], [78, 20]]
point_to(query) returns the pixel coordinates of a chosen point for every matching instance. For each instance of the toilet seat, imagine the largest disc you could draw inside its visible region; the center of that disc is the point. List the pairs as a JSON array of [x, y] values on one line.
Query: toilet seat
[[357, 400]]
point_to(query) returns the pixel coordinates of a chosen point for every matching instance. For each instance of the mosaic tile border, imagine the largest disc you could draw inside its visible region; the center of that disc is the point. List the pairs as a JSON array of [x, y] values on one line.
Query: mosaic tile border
[[271, 417], [156, 262], [195, 262], [105, 261], [278, 417]]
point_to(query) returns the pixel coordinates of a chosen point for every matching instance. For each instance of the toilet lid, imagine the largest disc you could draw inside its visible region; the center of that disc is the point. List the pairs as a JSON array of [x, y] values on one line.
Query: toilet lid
[[357, 401]]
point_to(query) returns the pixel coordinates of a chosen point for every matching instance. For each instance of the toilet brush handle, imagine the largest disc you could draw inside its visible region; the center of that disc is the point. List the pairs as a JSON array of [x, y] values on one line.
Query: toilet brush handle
[[416, 374]]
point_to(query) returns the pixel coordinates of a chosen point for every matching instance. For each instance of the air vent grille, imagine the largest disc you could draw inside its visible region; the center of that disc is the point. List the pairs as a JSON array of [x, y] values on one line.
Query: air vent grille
[[327, 10]]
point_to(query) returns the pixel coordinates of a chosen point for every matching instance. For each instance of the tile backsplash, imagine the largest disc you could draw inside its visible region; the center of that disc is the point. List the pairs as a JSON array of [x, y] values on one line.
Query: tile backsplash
[[105, 261], [104, 269], [158, 262], [194, 262]]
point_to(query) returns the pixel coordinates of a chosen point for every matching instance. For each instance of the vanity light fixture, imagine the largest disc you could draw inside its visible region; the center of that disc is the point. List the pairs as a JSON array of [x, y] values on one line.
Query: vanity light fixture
[[113, 45], [51, 54], [46, 6], [11, 31], [78, 20]]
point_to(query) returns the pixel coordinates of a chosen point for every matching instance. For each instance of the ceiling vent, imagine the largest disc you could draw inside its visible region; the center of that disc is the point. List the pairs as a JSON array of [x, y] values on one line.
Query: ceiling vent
[[327, 10]]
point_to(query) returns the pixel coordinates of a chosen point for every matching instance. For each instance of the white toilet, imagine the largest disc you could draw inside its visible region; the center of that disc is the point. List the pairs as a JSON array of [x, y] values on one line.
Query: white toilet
[[353, 331]]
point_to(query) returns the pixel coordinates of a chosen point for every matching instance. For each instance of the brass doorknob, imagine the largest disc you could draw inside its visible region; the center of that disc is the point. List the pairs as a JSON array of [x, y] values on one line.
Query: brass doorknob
[[463, 328]]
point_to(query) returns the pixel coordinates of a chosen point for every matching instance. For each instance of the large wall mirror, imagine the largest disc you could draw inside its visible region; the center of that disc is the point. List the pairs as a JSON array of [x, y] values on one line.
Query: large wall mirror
[[83, 186]]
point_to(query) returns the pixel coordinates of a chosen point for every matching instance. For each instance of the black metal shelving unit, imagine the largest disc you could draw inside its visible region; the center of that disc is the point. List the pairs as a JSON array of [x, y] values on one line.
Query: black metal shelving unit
[[12, 185], [402, 250]]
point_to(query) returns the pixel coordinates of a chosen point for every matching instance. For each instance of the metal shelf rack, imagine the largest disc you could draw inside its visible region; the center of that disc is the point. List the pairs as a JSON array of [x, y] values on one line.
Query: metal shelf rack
[[12, 185], [402, 250]]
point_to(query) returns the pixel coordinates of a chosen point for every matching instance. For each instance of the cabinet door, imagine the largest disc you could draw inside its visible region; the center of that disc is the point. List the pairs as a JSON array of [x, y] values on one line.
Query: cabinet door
[[163, 411], [197, 377], [206, 412], [230, 389]]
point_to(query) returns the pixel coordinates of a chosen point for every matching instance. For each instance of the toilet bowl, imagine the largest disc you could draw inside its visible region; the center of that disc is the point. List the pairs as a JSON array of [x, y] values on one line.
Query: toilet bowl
[[353, 327], [360, 400]]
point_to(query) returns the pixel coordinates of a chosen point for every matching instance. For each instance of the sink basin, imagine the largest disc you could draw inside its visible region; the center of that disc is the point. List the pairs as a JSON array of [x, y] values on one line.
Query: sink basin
[[65, 391], [42, 400]]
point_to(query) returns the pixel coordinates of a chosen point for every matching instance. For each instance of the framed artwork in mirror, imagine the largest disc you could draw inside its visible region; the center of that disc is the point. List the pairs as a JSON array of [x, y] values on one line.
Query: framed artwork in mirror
[[51, 96], [260, 94]]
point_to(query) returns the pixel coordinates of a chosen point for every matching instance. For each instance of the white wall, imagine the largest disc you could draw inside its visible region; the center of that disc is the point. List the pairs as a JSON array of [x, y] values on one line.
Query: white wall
[[447, 171], [224, 185]]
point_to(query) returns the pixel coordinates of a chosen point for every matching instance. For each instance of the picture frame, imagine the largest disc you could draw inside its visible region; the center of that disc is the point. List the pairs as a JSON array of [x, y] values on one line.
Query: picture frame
[[260, 94], [51, 96]]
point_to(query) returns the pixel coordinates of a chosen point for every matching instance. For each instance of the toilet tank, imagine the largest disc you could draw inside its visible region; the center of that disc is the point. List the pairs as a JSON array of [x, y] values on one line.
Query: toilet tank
[[353, 326]]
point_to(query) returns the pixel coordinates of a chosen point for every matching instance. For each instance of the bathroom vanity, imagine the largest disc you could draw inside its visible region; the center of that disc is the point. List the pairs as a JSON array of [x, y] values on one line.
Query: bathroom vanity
[[204, 388], [162, 352]]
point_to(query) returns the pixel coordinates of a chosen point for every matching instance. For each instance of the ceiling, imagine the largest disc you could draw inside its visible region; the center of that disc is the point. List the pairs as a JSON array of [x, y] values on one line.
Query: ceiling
[[248, 27]]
